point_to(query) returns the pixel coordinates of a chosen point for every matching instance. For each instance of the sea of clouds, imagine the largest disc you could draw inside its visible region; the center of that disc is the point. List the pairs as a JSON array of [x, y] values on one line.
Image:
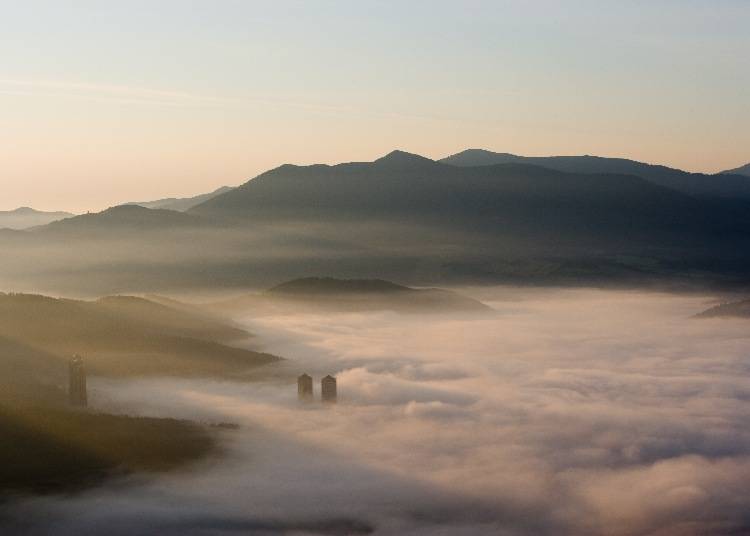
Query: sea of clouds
[[562, 412]]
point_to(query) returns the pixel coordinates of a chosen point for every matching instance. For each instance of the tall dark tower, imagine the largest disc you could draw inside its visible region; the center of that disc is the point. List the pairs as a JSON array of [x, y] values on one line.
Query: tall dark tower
[[77, 385], [328, 389], [305, 388]]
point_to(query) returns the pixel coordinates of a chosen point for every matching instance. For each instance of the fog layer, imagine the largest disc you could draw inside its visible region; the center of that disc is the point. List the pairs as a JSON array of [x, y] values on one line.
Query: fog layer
[[564, 412]]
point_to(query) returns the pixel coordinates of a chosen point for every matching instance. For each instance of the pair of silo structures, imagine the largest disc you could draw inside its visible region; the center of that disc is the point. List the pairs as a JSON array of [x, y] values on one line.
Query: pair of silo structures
[[328, 389]]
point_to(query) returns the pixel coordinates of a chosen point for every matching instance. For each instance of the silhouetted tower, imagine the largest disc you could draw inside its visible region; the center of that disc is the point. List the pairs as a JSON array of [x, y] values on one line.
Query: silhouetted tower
[[77, 385], [328, 389], [305, 388]]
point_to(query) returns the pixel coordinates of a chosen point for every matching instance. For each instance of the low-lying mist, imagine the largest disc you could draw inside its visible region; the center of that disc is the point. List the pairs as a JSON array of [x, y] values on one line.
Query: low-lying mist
[[560, 412], [94, 258]]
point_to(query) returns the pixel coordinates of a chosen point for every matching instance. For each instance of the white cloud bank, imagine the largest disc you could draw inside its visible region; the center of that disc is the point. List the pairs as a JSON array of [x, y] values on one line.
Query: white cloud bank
[[567, 412]]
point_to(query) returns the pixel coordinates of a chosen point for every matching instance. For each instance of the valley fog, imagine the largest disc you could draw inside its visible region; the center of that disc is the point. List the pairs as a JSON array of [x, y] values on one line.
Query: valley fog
[[559, 412]]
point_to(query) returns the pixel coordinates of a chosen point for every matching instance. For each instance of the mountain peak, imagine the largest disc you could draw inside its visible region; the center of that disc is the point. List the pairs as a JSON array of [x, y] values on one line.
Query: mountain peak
[[402, 158], [126, 209], [480, 157], [482, 152]]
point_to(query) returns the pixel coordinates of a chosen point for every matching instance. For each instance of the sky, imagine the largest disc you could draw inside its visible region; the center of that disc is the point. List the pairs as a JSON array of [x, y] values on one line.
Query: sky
[[104, 102]]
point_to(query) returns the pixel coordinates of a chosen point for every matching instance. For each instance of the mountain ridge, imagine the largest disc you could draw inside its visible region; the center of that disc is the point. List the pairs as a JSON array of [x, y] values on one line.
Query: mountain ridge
[[26, 217], [180, 204], [322, 285], [348, 295], [401, 217], [719, 185], [742, 170], [122, 216], [404, 184]]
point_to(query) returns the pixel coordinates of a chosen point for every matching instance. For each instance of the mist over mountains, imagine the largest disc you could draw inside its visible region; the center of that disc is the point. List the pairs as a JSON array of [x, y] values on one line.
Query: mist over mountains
[[494, 378], [475, 217], [25, 217]]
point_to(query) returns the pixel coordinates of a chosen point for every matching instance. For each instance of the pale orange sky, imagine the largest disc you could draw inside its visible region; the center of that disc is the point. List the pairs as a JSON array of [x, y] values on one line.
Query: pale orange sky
[[107, 102]]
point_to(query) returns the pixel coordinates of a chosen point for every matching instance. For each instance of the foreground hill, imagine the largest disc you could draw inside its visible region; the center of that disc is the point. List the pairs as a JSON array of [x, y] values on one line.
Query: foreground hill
[[125, 336], [352, 295], [738, 309], [25, 217], [729, 184], [48, 449]]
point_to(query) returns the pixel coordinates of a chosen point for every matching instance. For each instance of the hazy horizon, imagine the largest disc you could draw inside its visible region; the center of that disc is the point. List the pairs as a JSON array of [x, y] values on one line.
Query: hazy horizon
[[219, 184], [7, 206], [148, 100]]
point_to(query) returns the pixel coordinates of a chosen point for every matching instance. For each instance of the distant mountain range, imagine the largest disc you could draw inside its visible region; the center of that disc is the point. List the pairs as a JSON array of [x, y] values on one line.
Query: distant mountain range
[[730, 184], [25, 217], [416, 188], [742, 170], [180, 204], [522, 205], [119, 218], [408, 218]]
